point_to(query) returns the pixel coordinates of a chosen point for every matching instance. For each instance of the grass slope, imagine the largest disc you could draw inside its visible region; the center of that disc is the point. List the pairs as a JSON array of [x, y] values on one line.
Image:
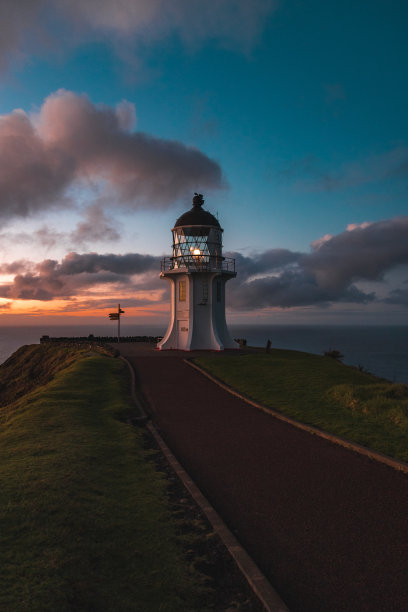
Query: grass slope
[[84, 520], [34, 365], [322, 392]]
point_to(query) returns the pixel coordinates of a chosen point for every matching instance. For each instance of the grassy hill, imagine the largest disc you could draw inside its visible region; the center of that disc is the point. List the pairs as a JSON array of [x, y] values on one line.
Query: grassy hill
[[33, 366], [322, 392], [85, 520]]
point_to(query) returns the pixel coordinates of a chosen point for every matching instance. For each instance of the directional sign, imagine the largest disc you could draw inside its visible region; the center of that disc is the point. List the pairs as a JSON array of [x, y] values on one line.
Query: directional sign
[[115, 316]]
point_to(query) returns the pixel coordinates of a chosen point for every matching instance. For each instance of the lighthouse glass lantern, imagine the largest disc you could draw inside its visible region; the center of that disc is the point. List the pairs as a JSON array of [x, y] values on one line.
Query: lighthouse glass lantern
[[197, 272]]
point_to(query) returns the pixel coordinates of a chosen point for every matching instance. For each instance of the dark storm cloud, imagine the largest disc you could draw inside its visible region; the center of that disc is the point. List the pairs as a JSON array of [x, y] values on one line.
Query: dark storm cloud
[[31, 25], [71, 140], [327, 274]]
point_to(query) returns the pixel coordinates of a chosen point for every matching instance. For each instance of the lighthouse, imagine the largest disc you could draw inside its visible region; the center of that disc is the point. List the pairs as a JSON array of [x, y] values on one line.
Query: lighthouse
[[197, 272]]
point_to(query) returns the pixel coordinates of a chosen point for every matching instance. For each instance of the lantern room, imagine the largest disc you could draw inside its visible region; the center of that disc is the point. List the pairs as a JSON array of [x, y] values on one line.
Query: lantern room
[[197, 238], [197, 272]]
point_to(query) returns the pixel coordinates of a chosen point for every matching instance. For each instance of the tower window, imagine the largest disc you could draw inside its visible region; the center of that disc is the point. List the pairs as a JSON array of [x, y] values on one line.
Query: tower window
[[182, 291]]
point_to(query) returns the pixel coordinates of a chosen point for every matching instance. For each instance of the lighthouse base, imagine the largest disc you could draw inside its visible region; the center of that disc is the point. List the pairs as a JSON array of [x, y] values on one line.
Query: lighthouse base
[[177, 346], [197, 312]]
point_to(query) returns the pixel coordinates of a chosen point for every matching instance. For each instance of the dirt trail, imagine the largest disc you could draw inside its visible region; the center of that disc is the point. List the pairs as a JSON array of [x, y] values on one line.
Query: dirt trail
[[327, 526]]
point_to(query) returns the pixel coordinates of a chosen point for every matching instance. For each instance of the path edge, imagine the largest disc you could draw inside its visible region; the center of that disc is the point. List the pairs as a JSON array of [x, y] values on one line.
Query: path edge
[[255, 578], [358, 448], [142, 418], [253, 575]]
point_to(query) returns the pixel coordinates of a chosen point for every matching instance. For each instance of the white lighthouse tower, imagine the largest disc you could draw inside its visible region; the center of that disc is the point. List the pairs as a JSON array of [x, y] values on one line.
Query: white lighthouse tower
[[197, 272]]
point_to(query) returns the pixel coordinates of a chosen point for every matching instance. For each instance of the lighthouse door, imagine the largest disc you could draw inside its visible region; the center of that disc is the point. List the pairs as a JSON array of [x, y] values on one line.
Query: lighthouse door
[[182, 334]]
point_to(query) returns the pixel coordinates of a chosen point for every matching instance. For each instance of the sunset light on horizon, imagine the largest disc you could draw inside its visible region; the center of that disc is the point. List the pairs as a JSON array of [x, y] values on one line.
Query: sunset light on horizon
[[290, 117]]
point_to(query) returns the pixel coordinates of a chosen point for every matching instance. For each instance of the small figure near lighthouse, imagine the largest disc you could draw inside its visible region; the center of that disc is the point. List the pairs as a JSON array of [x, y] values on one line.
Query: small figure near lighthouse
[[198, 273]]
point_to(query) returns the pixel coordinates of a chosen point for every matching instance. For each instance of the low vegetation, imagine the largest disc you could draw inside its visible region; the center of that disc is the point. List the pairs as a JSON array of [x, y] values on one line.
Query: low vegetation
[[85, 518], [322, 392], [35, 365]]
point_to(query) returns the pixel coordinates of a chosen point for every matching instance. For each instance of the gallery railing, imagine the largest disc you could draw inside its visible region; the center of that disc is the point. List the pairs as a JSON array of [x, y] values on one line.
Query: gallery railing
[[202, 263]]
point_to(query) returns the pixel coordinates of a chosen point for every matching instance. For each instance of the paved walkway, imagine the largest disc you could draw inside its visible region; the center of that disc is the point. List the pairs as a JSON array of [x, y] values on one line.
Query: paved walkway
[[327, 526]]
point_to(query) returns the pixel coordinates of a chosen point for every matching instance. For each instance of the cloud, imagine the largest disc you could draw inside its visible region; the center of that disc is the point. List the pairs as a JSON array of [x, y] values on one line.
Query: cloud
[[32, 174], [364, 253], [330, 273], [31, 25], [326, 275], [230, 22], [316, 244], [291, 289], [19, 20], [352, 226], [128, 264], [75, 275], [313, 175], [71, 141], [16, 267], [260, 263], [47, 237], [398, 296], [96, 227]]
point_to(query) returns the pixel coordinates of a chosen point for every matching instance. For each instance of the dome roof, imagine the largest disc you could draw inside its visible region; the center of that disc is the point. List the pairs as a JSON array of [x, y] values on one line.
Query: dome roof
[[197, 216]]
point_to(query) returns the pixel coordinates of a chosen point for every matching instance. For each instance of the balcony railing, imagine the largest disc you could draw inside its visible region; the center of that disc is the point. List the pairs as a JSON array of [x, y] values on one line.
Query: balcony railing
[[199, 263]]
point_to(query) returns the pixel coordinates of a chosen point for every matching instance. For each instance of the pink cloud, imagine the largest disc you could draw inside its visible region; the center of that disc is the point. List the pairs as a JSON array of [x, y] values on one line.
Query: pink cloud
[[72, 140], [128, 24]]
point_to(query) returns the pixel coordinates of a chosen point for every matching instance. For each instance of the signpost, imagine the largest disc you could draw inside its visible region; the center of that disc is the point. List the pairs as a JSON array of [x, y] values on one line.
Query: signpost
[[115, 316]]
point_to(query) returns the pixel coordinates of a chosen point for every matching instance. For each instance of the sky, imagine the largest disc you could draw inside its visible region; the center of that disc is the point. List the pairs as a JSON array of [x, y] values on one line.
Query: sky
[[289, 116]]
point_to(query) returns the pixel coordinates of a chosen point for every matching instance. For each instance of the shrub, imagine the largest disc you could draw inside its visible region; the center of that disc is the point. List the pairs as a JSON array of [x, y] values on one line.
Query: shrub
[[334, 354]]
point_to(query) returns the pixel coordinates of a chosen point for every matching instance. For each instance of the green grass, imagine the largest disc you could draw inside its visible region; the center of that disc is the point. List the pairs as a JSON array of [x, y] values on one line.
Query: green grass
[[35, 365], [84, 520], [322, 392]]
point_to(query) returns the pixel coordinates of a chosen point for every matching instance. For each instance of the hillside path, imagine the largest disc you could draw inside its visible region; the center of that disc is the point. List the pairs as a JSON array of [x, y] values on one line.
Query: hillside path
[[327, 526]]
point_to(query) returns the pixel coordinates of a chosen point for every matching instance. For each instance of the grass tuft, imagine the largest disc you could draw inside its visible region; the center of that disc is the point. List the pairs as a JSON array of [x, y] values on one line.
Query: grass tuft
[[381, 402]]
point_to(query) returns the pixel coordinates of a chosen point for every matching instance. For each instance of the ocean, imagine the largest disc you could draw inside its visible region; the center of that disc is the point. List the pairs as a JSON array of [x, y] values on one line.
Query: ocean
[[381, 350]]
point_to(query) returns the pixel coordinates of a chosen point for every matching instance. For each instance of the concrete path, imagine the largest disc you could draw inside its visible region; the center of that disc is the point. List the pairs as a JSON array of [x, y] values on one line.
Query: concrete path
[[327, 526]]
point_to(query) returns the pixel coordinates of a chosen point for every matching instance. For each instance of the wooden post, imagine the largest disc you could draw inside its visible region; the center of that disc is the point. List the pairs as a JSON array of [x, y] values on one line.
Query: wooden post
[[115, 316], [118, 323]]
